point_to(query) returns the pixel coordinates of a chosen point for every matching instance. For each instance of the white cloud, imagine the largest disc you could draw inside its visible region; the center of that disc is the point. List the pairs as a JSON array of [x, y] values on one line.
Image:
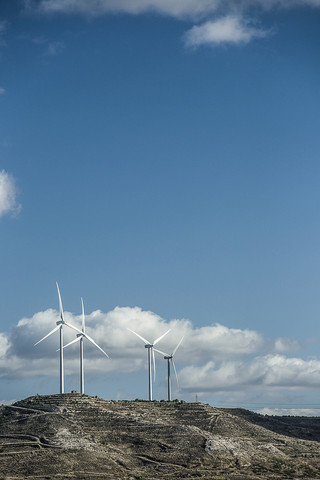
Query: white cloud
[[177, 8], [4, 345], [7, 402], [216, 358], [222, 19], [282, 3], [274, 371], [286, 345], [8, 194], [220, 342], [229, 29], [2, 91], [110, 331], [299, 412]]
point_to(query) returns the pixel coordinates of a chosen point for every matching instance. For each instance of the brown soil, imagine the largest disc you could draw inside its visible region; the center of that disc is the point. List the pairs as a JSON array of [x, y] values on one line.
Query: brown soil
[[75, 436]]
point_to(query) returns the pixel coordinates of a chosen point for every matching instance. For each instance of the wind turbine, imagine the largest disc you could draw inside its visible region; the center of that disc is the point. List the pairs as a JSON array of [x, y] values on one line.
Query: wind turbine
[[80, 337], [169, 359], [150, 346], [59, 326]]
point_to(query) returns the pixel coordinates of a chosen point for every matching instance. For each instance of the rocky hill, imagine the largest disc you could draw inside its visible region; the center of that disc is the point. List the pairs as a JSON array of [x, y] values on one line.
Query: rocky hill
[[75, 436]]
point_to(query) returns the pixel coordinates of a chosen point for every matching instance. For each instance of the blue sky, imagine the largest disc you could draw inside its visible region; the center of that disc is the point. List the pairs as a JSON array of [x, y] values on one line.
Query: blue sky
[[162, 155]]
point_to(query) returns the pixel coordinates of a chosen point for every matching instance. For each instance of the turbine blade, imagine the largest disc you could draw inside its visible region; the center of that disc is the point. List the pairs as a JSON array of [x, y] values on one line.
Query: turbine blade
[[71, 326], [174, 351], [162, 353], [175, 371], [70, 343], [48, 335], [60, 303], [154, 365], [141, 338], [83, 318], [95, 344], [158, 339]]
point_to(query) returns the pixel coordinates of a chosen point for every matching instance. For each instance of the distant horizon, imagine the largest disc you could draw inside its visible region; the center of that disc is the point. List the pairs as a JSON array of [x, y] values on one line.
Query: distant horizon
[[278, 412]]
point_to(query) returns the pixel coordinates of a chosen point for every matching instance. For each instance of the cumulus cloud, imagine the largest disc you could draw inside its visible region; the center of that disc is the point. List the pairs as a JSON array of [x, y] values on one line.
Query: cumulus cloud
[[110, 331], [229, 29], [215, 358], [4, 345], [262, 371], [8, 195], [286, 345]]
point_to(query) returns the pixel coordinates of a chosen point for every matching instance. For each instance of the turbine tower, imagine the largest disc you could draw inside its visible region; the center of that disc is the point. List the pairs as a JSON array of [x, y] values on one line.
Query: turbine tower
[[80, 337], [150, 346], [169, 359], [59, 326]]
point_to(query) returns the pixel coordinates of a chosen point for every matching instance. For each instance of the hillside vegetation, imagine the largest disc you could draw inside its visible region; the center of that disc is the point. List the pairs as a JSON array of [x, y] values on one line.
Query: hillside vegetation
[[75, 436]]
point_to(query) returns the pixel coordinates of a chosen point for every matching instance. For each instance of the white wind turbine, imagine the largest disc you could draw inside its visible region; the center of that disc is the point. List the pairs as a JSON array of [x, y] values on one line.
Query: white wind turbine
[[169, 359], [80, 337], [59, 326], [150, 346]]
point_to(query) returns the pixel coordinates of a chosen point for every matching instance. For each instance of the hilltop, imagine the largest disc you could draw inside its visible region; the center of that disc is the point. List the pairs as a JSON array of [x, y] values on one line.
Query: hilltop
[[75, 436]]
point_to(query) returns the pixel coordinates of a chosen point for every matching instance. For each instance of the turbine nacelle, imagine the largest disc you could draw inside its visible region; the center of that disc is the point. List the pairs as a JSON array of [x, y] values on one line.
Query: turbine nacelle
[[60, 323], [169, 359], [79, 338], [151, 356]]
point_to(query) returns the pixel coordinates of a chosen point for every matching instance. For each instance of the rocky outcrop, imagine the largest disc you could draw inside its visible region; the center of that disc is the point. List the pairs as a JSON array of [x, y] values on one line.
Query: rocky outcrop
[[80, 437]]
